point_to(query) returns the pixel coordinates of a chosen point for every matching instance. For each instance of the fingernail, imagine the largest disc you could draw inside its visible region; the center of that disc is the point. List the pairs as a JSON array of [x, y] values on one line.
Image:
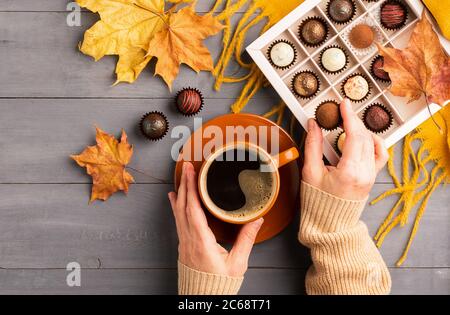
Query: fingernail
[[260, 221]]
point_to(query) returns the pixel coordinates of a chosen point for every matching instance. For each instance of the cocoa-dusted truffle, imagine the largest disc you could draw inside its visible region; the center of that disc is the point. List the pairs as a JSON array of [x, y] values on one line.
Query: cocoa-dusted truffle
[[328, 115], [341, 11], [189, 101], [356, 88], [377, 69], [362, 36], [313, 31], [154, 126], [393, 14], [282, 54], [377, 118], [333, 59], [305, 84]]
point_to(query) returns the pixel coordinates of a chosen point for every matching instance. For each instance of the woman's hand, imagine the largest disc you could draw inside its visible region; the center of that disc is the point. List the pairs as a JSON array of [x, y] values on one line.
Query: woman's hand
[[198, 247], [363, 156]]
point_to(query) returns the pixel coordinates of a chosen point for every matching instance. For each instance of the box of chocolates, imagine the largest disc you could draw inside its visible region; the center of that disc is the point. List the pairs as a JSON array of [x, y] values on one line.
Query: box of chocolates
[[326, 50]]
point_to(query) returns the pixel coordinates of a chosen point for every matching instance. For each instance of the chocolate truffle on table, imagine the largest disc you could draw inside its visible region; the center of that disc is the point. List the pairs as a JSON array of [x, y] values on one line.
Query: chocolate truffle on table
[[356, 88], [362, 36], [305, 84], [282, 54], [313, 31], [341, 11], [333, 59], [154, 126], [189, 101], [377, 118], [378, 71], [393, 14], [328, 115]]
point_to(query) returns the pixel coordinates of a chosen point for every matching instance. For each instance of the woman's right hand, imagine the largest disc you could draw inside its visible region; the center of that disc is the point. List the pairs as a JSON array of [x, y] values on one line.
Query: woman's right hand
[[363, 156]]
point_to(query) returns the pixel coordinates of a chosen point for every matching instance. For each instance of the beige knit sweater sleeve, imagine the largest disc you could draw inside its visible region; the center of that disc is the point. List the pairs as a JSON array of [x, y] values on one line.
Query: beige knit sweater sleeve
[[345, 259]]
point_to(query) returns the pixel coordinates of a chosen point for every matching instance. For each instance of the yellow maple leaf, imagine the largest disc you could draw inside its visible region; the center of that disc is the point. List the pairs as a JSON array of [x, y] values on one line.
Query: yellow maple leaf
[[125, 29], [106, 163], [181, 41]]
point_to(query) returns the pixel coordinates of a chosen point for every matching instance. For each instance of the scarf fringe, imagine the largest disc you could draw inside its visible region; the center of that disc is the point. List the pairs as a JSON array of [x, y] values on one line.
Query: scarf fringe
[[412, 192]]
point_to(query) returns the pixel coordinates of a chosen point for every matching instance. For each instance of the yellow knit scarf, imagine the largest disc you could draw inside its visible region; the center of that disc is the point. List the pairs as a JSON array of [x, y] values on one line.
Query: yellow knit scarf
[[269, 11], [417, 187]]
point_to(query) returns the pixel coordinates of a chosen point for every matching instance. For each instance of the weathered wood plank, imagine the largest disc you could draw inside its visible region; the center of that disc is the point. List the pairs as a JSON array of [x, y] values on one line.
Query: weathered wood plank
[[163, 281], [58, 5], [40, 134], [36, 62], [47, 226]]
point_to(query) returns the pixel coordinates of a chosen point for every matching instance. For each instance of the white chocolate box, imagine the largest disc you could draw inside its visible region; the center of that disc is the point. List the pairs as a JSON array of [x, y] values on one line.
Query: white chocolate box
[[406, 116]]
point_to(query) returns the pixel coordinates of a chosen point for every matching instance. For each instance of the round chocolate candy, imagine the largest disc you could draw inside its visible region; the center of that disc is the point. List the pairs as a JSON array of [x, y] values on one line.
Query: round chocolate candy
[[341, 11], [356, 88], [377, 118], [378, 71], [328, 115], [362, 36], [393, 15], [313, 31], [333, 59], [189, 101], [305, 84], [282, 54], [154, 126]]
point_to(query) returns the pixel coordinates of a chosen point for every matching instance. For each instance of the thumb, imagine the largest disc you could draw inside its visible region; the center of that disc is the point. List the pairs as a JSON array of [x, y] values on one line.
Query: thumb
[[245, 240]]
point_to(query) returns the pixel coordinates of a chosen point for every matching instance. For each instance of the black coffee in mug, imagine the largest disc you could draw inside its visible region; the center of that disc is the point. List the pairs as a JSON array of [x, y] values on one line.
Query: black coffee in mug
[[237, 182]]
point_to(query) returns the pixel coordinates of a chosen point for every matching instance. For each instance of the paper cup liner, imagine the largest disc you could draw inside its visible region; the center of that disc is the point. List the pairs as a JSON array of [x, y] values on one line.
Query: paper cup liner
[[339, 123], [312, 18], [302, 96], [142, 128], [372, 72], [378, 37], [391, 118], [277, 42], [352, 76], [201, 98], [398, 26], [333, 72], [341, 22]]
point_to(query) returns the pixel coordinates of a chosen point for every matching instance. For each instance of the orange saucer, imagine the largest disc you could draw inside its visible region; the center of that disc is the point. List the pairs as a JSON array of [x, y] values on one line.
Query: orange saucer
[[287, 204]]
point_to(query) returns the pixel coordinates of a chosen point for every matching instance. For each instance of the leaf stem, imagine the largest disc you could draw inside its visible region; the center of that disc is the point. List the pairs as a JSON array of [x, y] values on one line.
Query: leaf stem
[[431, 115], [158, 14], [140, 172]]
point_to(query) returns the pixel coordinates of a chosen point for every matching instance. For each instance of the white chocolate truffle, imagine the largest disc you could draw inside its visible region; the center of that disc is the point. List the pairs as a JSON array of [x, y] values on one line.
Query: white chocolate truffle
[[282, 54], [333, 59], [341, 142], [356, 88]]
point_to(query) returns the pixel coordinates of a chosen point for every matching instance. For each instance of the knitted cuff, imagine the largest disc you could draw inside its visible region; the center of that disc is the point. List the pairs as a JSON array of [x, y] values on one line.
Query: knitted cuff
[[323, 212], [194, 282]]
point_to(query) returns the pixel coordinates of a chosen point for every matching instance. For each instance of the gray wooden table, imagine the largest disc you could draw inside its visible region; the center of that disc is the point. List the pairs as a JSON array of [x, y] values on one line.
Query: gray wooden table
[[50, 98]]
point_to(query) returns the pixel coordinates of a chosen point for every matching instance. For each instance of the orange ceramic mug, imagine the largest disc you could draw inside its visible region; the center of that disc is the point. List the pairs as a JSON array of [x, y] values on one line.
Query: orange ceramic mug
[[267, 183]]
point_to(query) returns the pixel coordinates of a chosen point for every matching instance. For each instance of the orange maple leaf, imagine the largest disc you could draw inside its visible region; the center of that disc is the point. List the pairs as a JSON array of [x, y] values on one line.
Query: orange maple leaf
[[106, 162], [181, 41], [421, 68]]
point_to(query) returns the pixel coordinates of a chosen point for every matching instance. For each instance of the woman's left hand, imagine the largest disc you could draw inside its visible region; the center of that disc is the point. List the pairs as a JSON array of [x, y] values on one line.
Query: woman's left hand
[[198, 247]]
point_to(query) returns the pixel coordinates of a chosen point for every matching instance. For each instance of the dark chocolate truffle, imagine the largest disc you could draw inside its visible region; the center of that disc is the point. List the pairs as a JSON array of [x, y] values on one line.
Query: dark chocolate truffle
[[393, 14], [189, 101], [377, 118], [305, 84], [362, 36], [328, 115], [154, 126], [313, 31], [282, 54], [377, 69], [341, 11]]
